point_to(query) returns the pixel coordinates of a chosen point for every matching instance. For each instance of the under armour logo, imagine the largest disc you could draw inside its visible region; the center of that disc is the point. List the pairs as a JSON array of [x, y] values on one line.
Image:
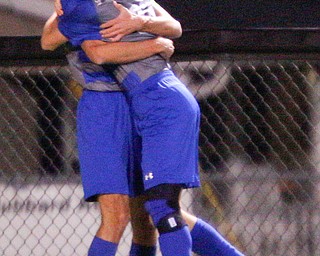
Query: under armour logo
[[149, 176]]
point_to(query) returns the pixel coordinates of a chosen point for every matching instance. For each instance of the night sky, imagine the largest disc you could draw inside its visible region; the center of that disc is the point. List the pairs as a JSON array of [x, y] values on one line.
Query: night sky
[[203, 14]]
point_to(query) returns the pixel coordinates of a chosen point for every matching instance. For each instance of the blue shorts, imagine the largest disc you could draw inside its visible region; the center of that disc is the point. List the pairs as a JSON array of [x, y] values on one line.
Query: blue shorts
[[105, 145], [167, 117]]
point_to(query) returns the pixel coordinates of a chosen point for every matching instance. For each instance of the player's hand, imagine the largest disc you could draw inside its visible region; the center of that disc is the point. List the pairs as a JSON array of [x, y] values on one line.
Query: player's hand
[[126, 23], [58, 7], [167, 47]]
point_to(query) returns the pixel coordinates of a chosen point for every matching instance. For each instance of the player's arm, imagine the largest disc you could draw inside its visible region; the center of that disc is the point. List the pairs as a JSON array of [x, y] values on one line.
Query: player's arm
[[51, 37], [101, 52], [123, 52], [163, 24]]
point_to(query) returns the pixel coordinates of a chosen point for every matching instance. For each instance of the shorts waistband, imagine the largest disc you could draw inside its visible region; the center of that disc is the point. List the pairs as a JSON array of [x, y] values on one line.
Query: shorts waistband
[[132, 83]]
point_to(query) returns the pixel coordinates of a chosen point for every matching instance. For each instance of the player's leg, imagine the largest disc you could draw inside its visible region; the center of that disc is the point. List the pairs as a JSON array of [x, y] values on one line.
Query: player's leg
[[102, 125], [167, 118], [181, 151], [115, 216], [144, 235], [163, 206], [206, 241], [114, 209], [170, 146]]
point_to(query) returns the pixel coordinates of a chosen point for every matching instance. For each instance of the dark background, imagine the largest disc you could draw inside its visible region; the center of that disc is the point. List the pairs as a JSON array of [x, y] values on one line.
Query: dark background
[[204, 14]]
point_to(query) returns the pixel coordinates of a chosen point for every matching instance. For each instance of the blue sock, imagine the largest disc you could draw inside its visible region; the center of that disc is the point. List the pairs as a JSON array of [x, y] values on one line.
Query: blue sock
[[142, 250], [100, 247], [172, 242], [206, 241], [176, 243]]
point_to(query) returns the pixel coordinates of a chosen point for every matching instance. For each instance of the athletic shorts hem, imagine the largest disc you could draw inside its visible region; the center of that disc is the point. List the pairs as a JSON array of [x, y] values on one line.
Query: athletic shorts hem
[[94, 197]]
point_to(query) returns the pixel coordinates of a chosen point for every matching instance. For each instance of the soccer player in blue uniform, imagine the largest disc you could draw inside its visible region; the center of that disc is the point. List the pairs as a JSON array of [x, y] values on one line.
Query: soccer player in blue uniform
[[171, 133], [104, 137]]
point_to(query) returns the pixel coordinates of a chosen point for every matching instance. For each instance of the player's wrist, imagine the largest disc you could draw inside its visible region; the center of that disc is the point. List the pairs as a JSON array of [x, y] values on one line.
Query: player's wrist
[[145, 22], [159, 45]]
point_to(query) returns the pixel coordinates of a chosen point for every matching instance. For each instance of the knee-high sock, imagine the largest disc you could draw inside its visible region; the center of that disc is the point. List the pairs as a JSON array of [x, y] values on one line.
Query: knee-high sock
[[206, 241], [172, 243], [142, 250], [100, 247], [177, 243]]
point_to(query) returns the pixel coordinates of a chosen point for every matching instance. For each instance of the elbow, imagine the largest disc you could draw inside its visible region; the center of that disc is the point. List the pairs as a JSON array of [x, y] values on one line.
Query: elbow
[[96, 58], [47, 46], [177, 31], [93, 53]]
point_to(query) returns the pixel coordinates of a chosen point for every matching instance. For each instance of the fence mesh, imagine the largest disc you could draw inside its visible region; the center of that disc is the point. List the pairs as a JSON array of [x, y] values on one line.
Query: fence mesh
[[259, 157]]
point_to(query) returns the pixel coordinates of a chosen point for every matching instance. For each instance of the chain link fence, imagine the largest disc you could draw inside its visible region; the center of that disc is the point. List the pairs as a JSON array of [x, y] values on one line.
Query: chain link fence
[[259, 154]]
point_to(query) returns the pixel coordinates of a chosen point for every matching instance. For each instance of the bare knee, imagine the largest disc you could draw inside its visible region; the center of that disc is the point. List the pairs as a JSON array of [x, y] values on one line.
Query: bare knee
[[115, 216]]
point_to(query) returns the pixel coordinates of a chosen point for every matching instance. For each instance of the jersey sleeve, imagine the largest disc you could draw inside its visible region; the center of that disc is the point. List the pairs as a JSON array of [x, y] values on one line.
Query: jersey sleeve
[[79, 21]]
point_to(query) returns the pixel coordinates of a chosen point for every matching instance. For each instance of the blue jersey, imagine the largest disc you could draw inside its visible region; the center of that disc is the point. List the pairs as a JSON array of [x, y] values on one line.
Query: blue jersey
[[82, 18], [81, 21]]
